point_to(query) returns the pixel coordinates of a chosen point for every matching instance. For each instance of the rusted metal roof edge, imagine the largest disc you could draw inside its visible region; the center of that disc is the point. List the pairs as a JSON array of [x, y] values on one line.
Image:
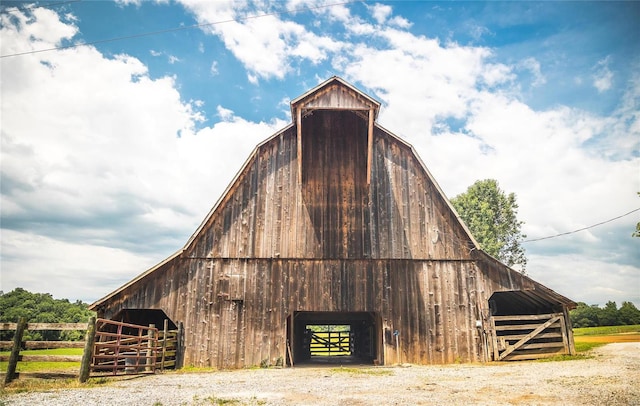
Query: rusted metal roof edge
[[435, 183]]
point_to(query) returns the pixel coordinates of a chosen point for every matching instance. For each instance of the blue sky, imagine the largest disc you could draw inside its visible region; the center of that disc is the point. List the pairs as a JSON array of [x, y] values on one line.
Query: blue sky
[[113, 153]]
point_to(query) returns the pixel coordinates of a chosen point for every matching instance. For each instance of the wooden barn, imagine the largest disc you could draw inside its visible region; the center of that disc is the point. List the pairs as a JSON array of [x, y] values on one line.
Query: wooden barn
[[335, 226]]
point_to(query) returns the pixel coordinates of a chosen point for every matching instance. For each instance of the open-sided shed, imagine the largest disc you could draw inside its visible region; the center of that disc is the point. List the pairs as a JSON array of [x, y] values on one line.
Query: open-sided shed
[[335, 221]]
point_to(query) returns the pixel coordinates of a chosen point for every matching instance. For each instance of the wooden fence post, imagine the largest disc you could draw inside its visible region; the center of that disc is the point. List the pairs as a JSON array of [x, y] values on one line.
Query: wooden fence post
[[150, 348], [87, 356], [164, 343], [15, 351], [180, 346]]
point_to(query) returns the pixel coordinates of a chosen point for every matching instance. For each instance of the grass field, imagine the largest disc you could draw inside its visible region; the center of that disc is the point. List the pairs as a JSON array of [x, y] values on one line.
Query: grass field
[[27, 366], [587, 338]]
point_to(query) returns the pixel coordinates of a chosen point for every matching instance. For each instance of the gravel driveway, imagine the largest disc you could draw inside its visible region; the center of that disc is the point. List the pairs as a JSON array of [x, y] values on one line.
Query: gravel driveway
[[611, 377]]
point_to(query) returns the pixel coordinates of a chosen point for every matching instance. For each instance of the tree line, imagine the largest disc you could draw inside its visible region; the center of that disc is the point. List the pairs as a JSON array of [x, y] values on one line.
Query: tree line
[[593, 315], [42, 308]]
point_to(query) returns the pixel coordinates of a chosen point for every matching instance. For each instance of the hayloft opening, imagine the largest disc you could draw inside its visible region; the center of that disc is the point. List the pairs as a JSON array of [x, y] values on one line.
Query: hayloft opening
[[334, 337]]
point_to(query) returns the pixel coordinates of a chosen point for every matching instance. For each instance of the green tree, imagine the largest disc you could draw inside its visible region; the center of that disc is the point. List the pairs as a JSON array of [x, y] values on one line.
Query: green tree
[[585, 316], [41, 308], [609, 315], [628, 314], [491, 216]]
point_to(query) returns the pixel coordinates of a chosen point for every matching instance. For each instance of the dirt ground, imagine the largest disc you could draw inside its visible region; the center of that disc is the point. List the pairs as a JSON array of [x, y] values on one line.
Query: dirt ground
[[611, 376]]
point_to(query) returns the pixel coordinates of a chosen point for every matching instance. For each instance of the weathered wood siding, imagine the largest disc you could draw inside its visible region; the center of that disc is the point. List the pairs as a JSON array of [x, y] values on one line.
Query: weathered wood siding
[[235, 310], [334, 213]]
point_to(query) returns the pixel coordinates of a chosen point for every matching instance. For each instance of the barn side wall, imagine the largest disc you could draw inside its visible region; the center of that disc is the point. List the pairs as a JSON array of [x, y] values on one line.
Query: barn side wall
[[234, 311]]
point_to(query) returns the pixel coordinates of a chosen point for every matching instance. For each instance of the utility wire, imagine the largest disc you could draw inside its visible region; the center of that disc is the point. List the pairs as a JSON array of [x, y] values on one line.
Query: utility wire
[[582, 229], [147, 34], [41, 5]]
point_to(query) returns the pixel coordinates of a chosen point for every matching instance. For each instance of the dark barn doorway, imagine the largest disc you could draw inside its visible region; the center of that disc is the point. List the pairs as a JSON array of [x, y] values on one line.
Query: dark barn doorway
[[333, 338], [144, 317]]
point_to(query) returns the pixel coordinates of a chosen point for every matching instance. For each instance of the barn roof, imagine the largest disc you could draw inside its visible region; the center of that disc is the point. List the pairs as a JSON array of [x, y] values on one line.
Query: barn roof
[[334, 94]]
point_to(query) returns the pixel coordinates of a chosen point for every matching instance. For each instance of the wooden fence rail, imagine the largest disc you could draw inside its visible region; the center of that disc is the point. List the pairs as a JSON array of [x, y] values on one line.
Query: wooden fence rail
[[17, 344], [110, 347]]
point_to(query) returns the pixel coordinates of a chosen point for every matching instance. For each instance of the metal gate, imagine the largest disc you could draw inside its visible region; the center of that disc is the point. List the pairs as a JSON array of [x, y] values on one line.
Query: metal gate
[[124, 348], [521, 337], [331, 343]]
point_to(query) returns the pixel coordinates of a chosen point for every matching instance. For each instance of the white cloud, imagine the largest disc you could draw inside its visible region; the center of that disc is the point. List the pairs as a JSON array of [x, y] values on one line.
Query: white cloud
[[49, 32], [380, 12], [267, 46], [70, 270], [478, 31], [112, 159], [533, 66], [214, 68], [400, 22], [328, 8], [576, 273], [129, 2], [603, 76]]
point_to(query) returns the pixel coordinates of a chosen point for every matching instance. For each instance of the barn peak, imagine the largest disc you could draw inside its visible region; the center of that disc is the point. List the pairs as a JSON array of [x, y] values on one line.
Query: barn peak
[[334, 94]]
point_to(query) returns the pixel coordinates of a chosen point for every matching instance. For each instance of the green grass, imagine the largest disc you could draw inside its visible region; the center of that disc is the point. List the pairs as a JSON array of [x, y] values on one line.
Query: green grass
[[41, 366], [588, 338], [606, 330], [39, 384], [582, 347], [54, 351], [362, 371]]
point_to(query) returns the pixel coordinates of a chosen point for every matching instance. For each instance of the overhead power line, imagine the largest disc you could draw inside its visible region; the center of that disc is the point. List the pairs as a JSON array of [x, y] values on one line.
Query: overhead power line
[[584, 228], [44, 4], [188, 27]]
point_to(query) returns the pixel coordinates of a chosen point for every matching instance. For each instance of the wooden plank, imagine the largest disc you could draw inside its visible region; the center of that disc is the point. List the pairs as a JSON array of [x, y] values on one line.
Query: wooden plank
[[526, 317], [565, 341], [299, 136], [535, 346], [45, 326], [41, 345], [494, 339], [517, 327], [514, 337], [532, 356], [370, 145], [523, 340], [56, 326], [51, 358], [569, 331]]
